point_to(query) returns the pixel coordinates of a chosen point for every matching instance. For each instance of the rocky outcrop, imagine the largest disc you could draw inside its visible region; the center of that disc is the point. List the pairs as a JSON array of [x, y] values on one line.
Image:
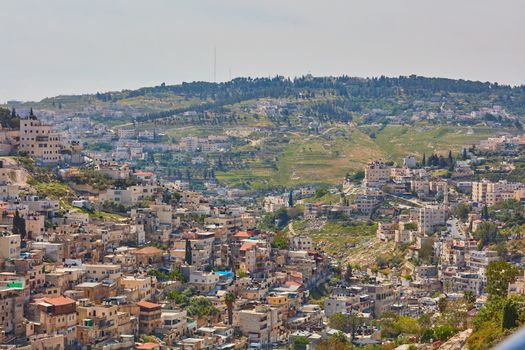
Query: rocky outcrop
[[457, 342]]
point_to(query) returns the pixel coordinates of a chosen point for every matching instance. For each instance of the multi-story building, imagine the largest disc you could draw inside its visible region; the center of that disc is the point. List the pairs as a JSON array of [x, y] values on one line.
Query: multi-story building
[[58, 316], [96, 322], [12, 309], [176, 321], [490, 193], [467, 281], [203, 281], [38, 141], [100, 272], [377, 174], [150, 317], [261, 325], [367, 203], [383, 296], [476, 259], [9, 246], [302, 242], [431, 216]]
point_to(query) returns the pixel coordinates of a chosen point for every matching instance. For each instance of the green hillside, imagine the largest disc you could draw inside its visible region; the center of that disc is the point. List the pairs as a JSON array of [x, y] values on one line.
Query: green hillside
[[326, 158]]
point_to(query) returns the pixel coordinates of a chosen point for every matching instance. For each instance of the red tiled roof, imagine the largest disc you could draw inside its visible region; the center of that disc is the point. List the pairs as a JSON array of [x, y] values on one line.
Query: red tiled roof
[[242, 234], [59, 301], [247, 246], [147, 304], [147, 346]]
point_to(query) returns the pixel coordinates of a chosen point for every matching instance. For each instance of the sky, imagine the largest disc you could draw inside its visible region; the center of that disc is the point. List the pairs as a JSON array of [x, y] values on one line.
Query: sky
[[54, 47]]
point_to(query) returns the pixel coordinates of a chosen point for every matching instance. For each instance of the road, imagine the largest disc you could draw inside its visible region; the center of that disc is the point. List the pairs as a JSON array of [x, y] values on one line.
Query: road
[[454, 228]]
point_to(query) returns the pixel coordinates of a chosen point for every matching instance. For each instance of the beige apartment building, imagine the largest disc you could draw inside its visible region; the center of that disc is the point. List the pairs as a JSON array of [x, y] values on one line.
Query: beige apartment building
[[58, 316], [430, 217], [38, 141], [9, 246], [12, 314], [261, 325], [377, 174], [490, 193]]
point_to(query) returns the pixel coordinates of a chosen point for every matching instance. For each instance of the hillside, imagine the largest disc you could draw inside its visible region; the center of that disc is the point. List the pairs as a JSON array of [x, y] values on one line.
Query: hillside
[[383, 96], [309, 130], [326, 158]]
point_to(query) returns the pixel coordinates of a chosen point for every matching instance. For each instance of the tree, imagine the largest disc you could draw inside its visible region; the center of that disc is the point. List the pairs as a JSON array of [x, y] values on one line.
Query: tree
[[499, 275], [188, 253], [442, 304], [19, 225], [290, 199], [229, 300], [201, 307], [462, 211], [464, 155], [469, 298], [509, 315], [337, 341], [424, 160], [346, 323], [487, 233], [348, 273], [427, 335], [300, 343], [280, 241], [407, 325], [339, 321], [444, 332], [485, 213]]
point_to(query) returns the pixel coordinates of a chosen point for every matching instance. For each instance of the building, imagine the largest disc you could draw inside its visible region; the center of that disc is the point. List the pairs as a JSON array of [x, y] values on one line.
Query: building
[[38, 141], [58, 316], [377, 174], [383, 296], [150, 317], [490, 193], [409, 161], [12, 306], [260, 325], [9, 246], [204, 282], [431, 216], [302, 243]]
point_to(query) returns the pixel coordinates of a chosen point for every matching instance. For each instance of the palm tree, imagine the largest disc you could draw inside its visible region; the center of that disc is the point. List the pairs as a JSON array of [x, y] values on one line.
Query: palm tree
[[229, 300]]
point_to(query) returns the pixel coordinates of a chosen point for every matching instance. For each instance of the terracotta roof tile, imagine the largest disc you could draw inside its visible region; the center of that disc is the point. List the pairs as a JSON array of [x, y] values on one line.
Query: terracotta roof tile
[[147, 304], [59, 301]]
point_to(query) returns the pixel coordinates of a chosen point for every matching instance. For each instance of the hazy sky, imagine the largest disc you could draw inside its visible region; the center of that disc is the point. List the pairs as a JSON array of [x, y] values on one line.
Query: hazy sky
[[51, 47]]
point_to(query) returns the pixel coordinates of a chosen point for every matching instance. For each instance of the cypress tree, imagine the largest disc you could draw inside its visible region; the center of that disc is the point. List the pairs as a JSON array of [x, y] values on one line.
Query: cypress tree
[[509, 315], [187, 257]]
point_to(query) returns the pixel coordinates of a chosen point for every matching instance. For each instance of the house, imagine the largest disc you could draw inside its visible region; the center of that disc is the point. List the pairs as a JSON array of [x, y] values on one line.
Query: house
[[150, 317], [58, 316]]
